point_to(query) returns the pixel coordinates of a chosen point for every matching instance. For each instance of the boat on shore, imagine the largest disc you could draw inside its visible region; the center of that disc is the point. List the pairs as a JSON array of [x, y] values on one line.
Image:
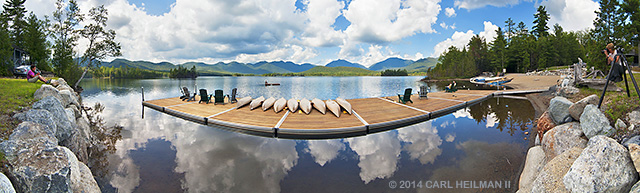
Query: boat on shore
[[493, 81]]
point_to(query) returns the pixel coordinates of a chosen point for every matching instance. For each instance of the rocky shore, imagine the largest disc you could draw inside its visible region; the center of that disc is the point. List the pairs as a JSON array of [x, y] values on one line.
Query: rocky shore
[[574, 151], [47, 152]]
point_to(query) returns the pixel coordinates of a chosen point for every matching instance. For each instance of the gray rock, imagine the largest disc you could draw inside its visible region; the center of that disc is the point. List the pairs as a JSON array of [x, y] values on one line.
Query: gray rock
[[550, 178], [76, 111], [603, 166], [64, 128], [576, 109], [47, 90], [5, 184], [79, 143], [634, 152], [594, 122], [631, 127], [562, 138], [71, 116], [634, 117], [568, 91], [64, 87], [68, 98], [532, 166], [620, 125], [635, 188], [559, 110], [81, 178], [632, 140], [40, 116], [36, 162]]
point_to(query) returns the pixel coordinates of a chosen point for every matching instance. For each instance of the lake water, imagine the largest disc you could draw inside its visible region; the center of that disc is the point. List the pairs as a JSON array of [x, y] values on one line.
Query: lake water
[[485, 143]]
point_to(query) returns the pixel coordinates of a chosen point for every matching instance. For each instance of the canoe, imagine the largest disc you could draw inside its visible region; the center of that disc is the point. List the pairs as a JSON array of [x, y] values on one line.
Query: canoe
[[292, 104], [305, 106], [243, 101], [255, 103], [344, 104], [333, 107], [279, 105], [319, 105], [268, 103]]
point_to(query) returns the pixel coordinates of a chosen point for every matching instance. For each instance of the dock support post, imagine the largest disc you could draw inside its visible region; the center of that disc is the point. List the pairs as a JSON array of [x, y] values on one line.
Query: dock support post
[[142, 88]]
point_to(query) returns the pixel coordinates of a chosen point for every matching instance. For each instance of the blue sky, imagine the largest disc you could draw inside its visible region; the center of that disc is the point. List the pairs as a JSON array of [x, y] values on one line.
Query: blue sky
[[314, 31]]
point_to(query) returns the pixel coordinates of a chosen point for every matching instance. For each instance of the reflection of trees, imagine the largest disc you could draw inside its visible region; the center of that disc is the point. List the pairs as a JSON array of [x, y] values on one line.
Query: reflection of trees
[[511, 114], [102, 139]]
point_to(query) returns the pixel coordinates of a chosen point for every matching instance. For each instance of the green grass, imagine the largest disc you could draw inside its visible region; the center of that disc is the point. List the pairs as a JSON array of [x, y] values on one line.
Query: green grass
[[15, 94]]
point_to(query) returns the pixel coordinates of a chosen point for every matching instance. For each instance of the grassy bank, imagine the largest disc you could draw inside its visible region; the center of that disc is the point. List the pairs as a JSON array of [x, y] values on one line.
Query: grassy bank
[[15, 94]]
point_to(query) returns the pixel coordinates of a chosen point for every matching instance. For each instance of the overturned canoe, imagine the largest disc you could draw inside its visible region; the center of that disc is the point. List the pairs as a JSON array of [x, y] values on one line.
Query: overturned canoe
[[305, 106], [268, 103], [319, 105], [279, 105], [333, 107], [255, 103], [292, 104], [243, 101], [344, 104]]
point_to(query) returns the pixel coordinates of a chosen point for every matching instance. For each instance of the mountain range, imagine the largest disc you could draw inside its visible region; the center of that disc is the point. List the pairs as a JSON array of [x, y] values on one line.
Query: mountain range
[[264, 67]]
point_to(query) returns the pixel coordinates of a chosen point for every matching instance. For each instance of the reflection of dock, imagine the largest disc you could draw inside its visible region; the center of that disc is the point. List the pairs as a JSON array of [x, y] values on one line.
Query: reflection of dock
[[370, 115]]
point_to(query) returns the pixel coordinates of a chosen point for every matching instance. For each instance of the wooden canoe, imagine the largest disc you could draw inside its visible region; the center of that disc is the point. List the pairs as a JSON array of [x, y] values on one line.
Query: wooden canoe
[[319, 105], [243, 101], [268, 103], [292, 104], [279, 105], [344, 104], [255, 103], [333, 107], [305, 106]]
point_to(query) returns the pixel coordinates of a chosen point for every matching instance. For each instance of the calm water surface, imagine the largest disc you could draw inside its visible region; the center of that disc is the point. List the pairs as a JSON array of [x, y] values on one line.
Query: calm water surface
[[161, 153]]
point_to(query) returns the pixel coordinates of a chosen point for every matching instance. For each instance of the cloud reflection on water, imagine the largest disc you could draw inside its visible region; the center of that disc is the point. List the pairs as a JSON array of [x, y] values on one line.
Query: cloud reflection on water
[[324, 151]]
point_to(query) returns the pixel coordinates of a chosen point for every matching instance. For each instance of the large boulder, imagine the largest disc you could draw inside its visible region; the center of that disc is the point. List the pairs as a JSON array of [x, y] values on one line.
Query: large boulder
[[559, 110], [79, 143], [68, 98], [5, 184], [635, 188], [35, 160], [634, 152], [64, 127], [532, 166], [562, 138], [40, 116], [39, 165], [632, 140], [545, 123], [603, 166], [551, 176], [594, 122], [576, 109], [633, 117], [620, 125], [47, 90], [64, 87], [81, 178]]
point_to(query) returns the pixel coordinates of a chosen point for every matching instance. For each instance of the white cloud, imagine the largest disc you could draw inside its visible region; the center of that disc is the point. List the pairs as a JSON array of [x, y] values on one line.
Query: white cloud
[[460, 39], [572, 15], [450, 12], [475, 4], [378, 155], [390, 20], [423, 140], [319, 26]]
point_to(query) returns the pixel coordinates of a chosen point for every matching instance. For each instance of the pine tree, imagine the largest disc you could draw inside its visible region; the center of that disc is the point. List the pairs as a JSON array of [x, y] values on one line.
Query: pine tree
[[540, 28], [509, 25], [36, 43], [15, 12], [6, 50], [631, 10], [498, 48], [65, 19]]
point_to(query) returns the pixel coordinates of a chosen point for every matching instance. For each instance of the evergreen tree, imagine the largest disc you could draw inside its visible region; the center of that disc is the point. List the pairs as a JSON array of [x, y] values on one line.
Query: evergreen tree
[[15, 12], [478, 51], [36, 43], [510, 26], [6, 50], [65, 19], [522, 29], [498, 49], [631, 10], [540, 28]]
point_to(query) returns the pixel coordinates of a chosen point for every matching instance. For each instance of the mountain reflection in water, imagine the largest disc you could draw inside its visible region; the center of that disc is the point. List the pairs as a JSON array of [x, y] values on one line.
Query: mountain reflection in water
[[167, 154]]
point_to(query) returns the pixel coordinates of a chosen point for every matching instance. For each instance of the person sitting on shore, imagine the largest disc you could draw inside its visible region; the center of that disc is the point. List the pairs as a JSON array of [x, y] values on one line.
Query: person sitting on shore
[[33, 76], [451, 86]]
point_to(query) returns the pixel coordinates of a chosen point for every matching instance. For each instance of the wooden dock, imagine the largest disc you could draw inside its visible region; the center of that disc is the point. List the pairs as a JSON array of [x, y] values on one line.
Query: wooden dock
[[370, 115]]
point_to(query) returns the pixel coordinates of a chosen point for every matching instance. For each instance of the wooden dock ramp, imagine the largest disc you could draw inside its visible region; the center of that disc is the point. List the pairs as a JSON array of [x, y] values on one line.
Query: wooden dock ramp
[[370, 115]]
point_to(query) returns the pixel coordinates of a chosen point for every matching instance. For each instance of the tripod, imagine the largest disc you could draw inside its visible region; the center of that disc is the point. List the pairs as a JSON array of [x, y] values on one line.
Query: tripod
[[625, 65]]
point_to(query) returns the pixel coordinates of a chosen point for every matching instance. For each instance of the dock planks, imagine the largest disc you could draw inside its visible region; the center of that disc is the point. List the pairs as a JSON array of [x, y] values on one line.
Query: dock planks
[[379, 114]]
